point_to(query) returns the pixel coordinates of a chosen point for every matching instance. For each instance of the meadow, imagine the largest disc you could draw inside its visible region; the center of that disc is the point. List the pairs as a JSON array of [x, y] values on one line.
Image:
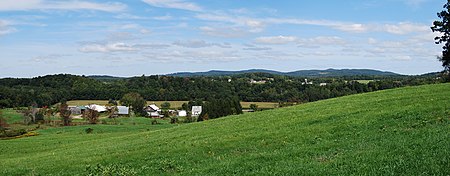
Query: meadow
[[401, 131]]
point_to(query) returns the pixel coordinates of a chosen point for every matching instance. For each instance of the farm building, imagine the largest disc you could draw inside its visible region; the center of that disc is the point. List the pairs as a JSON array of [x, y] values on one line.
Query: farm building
[[196, 110], [97, 108], [123, 110], [153, 111], [182, 113], [76, 110]]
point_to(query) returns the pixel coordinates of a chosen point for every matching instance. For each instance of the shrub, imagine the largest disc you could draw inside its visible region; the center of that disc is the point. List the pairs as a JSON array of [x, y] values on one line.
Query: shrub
[[12, 133], [173, 120], [155, 122], [3, 124], [65, 113], [91, 116], [88, 130]]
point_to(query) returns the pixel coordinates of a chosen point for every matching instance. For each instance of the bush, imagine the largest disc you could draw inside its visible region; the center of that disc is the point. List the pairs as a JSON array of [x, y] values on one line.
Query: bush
[[155, 122], [89, 130], [3, 124], [91, 116], [12, 133]]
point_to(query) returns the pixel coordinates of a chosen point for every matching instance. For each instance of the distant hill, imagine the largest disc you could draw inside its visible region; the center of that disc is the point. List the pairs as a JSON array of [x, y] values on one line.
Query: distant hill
[[104, 77], [304, 73]]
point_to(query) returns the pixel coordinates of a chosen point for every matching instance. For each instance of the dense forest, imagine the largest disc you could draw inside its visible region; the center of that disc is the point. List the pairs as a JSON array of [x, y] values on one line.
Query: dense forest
[[259, 87]]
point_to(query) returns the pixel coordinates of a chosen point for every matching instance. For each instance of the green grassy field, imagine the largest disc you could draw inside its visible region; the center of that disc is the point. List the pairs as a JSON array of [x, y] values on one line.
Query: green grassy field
[[364, 81], [173, 104], [402, 131]]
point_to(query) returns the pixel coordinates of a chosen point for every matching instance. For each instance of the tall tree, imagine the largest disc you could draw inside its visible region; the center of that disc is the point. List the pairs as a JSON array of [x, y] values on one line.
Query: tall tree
[[443, 27], [136, 102], [64, 112], [3, 123]]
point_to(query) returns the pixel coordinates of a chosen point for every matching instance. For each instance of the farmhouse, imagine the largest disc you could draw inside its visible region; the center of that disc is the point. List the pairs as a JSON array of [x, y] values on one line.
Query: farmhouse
[[196, 110], [153, 111]]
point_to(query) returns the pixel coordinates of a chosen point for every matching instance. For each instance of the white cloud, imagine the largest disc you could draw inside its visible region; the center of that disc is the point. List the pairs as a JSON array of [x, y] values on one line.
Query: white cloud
[[256, 25], [402, 58], [250, 24], [275, 40], [5, 27], [405, 28], [372, 41], [251, 47], [196, 56], [321, 41], [51, 58], [163, 18], [127, 16], [354, 28], [258, 48], [174, 4], [226, 32], [199, 44], [107, 48], [13, 5]]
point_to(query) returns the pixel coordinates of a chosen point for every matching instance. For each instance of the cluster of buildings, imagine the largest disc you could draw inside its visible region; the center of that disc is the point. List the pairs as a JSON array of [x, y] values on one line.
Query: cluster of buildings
[[152, 110]]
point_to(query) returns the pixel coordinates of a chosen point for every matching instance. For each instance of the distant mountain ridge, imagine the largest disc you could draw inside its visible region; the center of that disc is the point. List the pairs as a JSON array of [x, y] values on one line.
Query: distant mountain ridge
[[104, 77], [306, 73]]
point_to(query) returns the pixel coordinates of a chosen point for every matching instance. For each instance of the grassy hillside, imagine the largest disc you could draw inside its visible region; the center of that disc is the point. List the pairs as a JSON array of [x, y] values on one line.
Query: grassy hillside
[[394, 132]]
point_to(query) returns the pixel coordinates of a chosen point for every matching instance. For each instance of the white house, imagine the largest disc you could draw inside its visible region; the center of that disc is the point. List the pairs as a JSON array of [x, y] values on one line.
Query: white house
[[196, 110], [182, 113], [123, 110], [306, 82]]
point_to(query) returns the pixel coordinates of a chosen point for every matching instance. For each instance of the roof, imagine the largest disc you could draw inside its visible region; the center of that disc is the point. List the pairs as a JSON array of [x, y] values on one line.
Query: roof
[[154, 107], [97, 108]]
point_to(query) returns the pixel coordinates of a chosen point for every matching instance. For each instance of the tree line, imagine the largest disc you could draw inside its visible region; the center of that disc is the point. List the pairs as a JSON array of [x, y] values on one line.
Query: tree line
[[51, 89]]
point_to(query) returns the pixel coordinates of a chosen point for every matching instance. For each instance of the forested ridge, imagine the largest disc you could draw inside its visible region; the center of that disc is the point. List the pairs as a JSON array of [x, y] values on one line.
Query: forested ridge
[[50, 89]]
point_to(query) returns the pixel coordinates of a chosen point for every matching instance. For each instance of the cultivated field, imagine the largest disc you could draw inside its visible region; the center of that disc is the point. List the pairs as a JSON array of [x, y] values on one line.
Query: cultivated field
[[173, 104], [402, 131]]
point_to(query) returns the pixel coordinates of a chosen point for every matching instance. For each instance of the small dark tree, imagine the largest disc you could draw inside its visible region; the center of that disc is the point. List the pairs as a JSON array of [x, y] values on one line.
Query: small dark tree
[[185, 107], [112, 102], [443, 27], [91, 115], [136, 102], [165, 105], [113, 112], [254, 107], [64, 113]]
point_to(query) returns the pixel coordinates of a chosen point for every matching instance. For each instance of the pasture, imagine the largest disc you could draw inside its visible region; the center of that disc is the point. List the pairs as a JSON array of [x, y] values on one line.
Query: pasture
[[392, 132]]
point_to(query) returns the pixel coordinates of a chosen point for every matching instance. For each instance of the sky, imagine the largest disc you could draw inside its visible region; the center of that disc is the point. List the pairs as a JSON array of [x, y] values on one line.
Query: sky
[[148, 37]]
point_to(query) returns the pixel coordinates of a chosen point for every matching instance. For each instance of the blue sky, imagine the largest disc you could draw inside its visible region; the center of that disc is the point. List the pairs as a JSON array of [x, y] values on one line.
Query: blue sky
[[136, 37]]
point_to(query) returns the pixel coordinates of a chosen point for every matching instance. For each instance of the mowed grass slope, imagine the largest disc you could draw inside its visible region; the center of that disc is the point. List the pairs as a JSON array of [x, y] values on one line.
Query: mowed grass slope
[[393, 132]]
